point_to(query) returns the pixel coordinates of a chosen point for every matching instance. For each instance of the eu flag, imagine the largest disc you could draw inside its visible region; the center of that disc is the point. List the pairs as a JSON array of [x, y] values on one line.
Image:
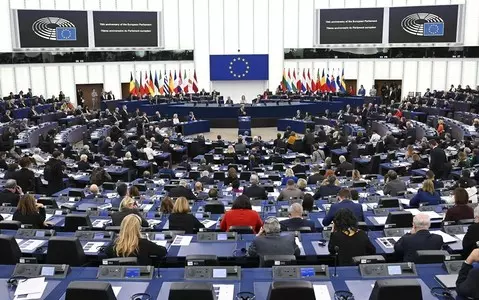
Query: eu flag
[[433, 29], [239, 67], [66, 33]]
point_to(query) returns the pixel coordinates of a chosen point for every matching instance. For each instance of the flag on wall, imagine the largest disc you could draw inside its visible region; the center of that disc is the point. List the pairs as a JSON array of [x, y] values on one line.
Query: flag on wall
[[343, 83], [132, 85], [165, 87], [141, 86], [328, 83], [332, 83], [185, 83], [151, 85], [145, 84], [311, 80], [293, 81], [195, 83], [171, 84], [284, 84], [190, 82], [308, 81], [157, 84], [322, 82], [299, 85], [137, 87]]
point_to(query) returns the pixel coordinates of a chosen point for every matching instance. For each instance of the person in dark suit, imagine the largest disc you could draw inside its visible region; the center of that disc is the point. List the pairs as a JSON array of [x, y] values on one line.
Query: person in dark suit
[[287, 133], [299, 167], [417, 162], [166, 170], [347, 240], [296, 220], [25, 177], [279, 143], [53, 173], [460, 210], [127, 206], [3, 162], [468, 277], [181, 219], [343, 166], [465, 181], [130, 244], [393, 184], [410, 133], [11, 193], [437, 159], [30, 212], [254, 190], [83, 164], [205, 178], [330, 188], [182, 190], [166, 147], [390, 142], [308, 141], [315, 176], [469, 242], [344, 201], [268, 241], [418, 239]]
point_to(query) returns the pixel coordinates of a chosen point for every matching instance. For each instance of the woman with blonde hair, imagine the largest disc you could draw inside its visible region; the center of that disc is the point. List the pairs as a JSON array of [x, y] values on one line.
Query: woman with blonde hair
[[356, 176], [463, 162], [30, 212], [426, 195], [181, 219], [302, 183], [127, 206], [409, 152], [130, 244], [288, 174]]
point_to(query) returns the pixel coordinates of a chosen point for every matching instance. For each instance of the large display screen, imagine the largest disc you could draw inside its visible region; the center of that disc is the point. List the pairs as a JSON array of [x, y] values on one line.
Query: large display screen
[[429, 24], [351, 26], [125, 29], [52, 28]]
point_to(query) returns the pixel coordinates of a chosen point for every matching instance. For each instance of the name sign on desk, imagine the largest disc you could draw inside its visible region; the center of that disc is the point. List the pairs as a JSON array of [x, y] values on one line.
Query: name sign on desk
[[388, 270], [45, 270], [217, 273], [300, 272], [122, 272]]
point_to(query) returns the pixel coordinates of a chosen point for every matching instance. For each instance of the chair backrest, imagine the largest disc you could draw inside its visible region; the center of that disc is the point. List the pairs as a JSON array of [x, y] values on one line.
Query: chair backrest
[[215, 207], [65, 250], [10, 253], [303, 229], [293, 289], [165, 176], [241, 229], [194, 175], [465, 221], [13, 225], [245, 175], [219, 176], [301, 175], [430, 256], [73, 221]]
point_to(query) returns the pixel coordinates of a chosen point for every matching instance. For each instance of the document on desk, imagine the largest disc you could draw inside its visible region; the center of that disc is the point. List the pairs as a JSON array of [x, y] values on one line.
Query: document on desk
[[100, 223], [380, 220], [274, 194], [92, 247], [256, 208], [460, 236], [153, 222], [32, 245], [224, 291], [404, 201], [321, 292], [208, 223], [431, 214], [182, 240], [446, 238], [298, 242], [30, 289], [146, 207], [414, 191], [48, 216], [160, 242], [7, 217]]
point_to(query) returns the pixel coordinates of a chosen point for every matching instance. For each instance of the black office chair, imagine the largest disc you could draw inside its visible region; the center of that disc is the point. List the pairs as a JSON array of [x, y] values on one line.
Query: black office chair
[[10, 253], [109, 186], [12, 225], [80, 290], [65, 250], [194, 175], [164, 176], [430, 256], [301, 175], [185, 290], [462, 222], [374, 164], [219, 176], [241, 229], [416, 179], [74, 193], [73, 221], [278, 167], [388, 203], [297, 289], [267, 261], [234, 166], [304, 229], [215, 207], [48, 202], [245, 175], [400, 219]]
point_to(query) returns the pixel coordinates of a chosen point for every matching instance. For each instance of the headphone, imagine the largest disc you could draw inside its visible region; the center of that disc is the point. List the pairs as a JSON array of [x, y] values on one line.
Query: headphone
[[13, 282], [140, 296], [239, 252], [245, 296], [441, 293], [343, 295]]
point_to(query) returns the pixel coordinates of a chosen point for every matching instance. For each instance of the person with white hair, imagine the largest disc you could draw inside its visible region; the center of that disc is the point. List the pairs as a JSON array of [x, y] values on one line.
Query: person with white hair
[[175, 119], [343, 166], [254, 190], [469, 242], [295, 220], [418, 239], [149, 151], [83, 164], [269, 241], [182, 190], [205, 178], [39, 160]]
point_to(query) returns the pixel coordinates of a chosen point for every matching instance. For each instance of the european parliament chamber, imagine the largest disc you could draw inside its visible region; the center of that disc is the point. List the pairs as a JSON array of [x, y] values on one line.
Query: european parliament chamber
[[239, 150]]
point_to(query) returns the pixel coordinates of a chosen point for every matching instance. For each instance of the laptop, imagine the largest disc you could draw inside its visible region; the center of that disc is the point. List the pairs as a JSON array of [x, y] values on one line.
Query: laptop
[[447, 281]]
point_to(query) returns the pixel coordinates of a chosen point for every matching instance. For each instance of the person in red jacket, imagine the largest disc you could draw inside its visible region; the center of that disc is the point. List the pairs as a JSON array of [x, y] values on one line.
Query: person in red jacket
[[241, 214]]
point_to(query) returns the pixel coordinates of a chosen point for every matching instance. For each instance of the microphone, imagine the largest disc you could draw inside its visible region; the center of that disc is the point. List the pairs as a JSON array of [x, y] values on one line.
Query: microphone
[[336, 250]]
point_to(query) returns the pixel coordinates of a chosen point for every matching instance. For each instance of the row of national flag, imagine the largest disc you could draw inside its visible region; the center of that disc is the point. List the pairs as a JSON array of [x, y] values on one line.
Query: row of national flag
[[166, 84], [294, 81]]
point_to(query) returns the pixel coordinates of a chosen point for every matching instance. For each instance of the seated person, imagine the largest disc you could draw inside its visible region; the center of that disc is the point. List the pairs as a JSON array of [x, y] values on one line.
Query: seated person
[[302, 184], [288, 174], [94, 191], [343, 166], [299, 167], [129, 243], [308, 203], [11, 193], [344, 201], [468, 277], [469, 242], [200, 194], [418, 239], [181, 218], [205, 178], [166, 205], [393, 184], [331, 188], [348, 238], [462, 162], [182, 190], [465, 181], [128, 162], [269, 241], [315, 176], [39, 160], [425, 195], [212, 194], [30, 212], [417, 162], [231, 176], [290, 192], [254, 190], [83, 164], [166, 170], [296, 220], [121, 190], [460, 210], [437, 184], [9, 174], [356, 176], [99, 175], [241, 214], [127, 206]]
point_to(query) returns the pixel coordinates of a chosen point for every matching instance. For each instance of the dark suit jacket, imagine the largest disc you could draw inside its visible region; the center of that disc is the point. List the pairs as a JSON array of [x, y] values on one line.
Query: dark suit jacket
[[355, 208], [181, 191], [35, 219], [326, 190], [466, 283], [295, 223], [408, 244], [8, 197], [437, 161], [470, 239], [118, 217], [3, 164], [314, 178], [206, 180], [273, 244], [186, 222], [25, 179], [299, 168], [343, 167], [84, 165], [255, 191]]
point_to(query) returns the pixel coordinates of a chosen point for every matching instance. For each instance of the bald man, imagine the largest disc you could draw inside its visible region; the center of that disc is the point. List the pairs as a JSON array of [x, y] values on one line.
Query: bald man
[[94, 189], [418, 239], [296, 220]]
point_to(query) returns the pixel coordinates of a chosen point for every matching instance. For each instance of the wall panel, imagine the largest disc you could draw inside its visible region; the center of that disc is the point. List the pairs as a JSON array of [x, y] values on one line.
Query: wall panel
[[16, 4], [424, 75], [37, 75], [260, 32], [366, 68], [154, 5], [95, 73], [409, 83], [368, 3], [336, 4], [112, 79], [471, 37], [350, 69], [202, 62], [47, 4], [469, 73], [352, 3], [108, 5], [384, 3], [125, 70], [230, 17], [67, 82], [216, 39], [141, 5], [76, 5], [22, 75], [187, 40], [93, 4], [306, 24], [53, 80], [439, 75], [62, 4], [81, 74], [381, 69], [171, 22], [400, 2], [246, 26], [453, 73], [127, 4], [290, 22], [7, 80], [396, 69], [276, 52], [5, 35], [428, 2]]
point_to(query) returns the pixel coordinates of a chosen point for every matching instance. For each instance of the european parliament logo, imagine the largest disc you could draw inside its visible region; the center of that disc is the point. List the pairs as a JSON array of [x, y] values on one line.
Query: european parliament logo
[[55, 29], [423, 24], [239, 67]]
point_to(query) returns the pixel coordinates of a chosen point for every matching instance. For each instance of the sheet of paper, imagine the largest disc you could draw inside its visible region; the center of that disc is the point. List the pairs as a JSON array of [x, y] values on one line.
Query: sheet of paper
[[48, 216], [92, 247], [153, 222], [282, 218], [404, 201], [208, 223], [182, 240], [298, 242], [31, 286], [146, 207], [7, 216], [224, 291], [321, 292], [414, 211], [116, 290], [365, 206], [380, 193], [432, 214], [380, 220], [32, 245], [161, 242], [414, 191], [274, 194], [446, 238], [100, 223], [460, 236], [256, 208]]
